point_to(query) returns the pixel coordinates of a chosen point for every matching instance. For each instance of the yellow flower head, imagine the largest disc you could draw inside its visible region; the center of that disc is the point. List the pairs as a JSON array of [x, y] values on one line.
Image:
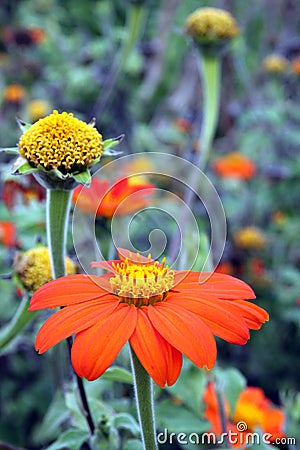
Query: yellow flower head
[[275, 63], [34, 270], [250, 238], [38, 109], [211, 24], [62, 142]]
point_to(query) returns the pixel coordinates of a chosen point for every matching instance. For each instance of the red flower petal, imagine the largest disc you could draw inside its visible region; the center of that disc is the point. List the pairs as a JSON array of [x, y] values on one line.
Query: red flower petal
[[185, 331], [72, 320], [219, 318], [95, 349], [153, 351], [70, 290]]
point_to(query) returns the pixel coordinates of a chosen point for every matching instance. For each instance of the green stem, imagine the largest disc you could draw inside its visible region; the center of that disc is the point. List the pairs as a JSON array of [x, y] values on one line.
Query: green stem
[[57, 213], [135, 20], [211, 78], [20, 319], [143, 388]]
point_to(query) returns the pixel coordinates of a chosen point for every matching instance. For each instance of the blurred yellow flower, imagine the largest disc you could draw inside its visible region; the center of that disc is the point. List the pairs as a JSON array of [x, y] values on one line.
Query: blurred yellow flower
[[38, 109], [250, 238], [211, 24], [275, 63], [33, 268]]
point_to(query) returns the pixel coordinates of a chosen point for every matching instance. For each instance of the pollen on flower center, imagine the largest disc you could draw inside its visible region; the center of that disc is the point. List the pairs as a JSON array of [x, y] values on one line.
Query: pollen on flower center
[[62, 142], [141, 284]]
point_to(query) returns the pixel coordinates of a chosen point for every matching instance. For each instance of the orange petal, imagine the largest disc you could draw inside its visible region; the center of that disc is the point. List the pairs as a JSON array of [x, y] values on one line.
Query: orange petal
[[185, 331], [219, 319], [95, 349], [69, 290], [252, 314], [153, 351], [217, 284], [71, 320]]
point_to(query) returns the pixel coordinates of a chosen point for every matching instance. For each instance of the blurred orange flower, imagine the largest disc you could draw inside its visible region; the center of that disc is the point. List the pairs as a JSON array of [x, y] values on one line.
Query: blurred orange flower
[[162, 312], [106, 199], [8, 234], [13, 93], [23, 190], [234, 165], [296, 66], [225, 267], [252, 408]]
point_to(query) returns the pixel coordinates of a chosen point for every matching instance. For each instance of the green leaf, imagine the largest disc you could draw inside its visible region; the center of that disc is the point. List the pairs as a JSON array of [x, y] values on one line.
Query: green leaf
[[22, 167], [57, 413], [119, 374], [109, 143], [133, 444], [70, 440], [83, 178], [13, 150], [126, 422], [20, 319], [24, 126], [234, 383], [177, 417], [189, 387]]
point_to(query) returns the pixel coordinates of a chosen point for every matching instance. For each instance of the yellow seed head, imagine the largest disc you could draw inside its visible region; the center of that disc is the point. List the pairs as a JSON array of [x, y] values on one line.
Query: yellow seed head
[[60, 141], [211, 24], [141, 284], [34, 270]]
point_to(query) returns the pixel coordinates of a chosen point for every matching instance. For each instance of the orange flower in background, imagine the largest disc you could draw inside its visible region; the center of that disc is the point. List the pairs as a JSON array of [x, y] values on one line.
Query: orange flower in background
[[296, 66], [252, 407], [163, 313], [225, 267], [13, 93], [106, 199], [8, 234], [234, 165], [24, 190]]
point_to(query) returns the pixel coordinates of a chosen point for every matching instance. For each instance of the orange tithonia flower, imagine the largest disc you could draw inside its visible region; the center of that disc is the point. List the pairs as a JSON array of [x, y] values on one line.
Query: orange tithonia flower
[[104, 199], [8, 233], [252, 407], [163, 313], [234, 165], [13, 93], [296, 66]]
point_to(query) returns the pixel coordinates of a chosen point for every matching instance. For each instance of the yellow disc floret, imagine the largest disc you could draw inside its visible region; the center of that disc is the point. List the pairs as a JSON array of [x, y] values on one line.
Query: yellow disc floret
[[34, 270], [212, 24], [60, 141], [141, 284]]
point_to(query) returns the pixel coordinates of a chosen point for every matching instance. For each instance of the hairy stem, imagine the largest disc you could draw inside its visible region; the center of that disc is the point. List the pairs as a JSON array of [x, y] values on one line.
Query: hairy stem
[[143, 388]]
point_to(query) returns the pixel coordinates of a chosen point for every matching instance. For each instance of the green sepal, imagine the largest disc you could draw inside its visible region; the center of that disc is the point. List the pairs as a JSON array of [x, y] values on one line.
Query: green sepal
[[13, 150], [20, 319], [22, 167], [109, 143], [83, 178], [24, 126]]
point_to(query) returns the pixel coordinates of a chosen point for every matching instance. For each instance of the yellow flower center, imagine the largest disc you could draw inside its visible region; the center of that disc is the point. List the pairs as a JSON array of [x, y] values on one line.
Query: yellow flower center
[[211, 23], [34, 269], [251, 414], [141, 284], [60, 141]]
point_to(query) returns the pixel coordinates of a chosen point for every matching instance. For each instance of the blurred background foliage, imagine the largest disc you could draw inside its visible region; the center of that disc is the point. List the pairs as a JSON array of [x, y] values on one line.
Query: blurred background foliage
[[74, 56]]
